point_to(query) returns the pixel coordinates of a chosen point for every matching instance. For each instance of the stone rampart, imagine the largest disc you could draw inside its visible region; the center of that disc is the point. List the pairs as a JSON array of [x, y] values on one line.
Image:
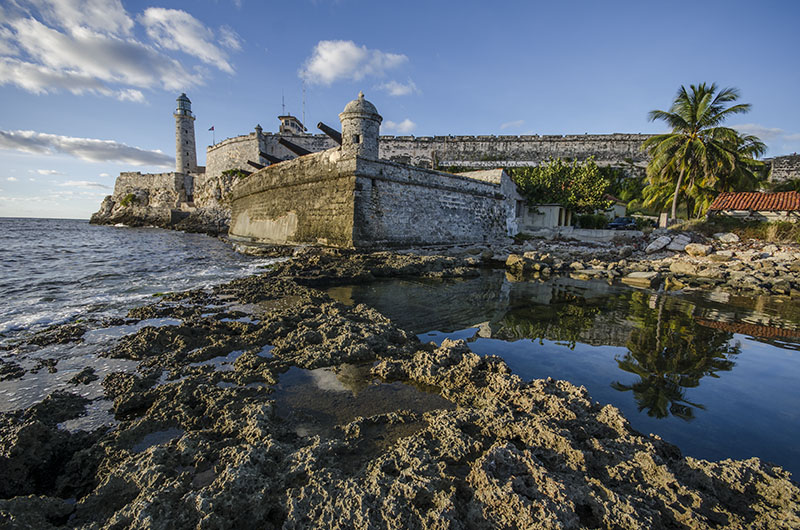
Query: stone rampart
[[785, 168], [166, 190], [477, 152], [399, 205], [305, 200]]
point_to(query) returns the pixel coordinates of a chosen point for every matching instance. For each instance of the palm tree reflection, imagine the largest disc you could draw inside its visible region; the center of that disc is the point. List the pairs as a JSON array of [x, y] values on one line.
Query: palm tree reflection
[[671, 352]]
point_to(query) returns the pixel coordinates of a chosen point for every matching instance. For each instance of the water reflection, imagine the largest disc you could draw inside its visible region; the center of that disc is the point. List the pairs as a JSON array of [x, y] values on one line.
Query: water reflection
[[662, 359], [670, 351]]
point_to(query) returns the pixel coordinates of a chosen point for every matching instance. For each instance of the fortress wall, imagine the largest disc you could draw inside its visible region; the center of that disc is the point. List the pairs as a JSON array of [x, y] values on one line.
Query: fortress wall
[[404, 206], [785, 168], [305, 200], [479, 152], [493, 151], [163, 189]]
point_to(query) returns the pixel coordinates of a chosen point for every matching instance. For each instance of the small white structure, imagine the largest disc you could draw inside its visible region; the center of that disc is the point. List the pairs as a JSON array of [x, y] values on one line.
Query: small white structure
[[618, 207], [534, 216]]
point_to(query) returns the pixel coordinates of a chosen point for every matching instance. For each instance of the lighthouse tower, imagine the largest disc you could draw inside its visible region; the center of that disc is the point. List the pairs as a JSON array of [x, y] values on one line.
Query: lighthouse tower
[[185, 152]]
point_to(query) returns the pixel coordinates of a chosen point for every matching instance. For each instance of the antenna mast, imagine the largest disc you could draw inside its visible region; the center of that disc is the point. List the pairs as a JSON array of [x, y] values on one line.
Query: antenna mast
[[304, 101], [283, 104]]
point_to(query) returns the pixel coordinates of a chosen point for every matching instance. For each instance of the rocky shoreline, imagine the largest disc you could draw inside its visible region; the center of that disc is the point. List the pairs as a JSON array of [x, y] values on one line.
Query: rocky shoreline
[[210, 433], [213, 221]]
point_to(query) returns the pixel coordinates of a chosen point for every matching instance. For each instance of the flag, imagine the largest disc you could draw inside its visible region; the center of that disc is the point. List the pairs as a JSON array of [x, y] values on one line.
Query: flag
[[212, 128]]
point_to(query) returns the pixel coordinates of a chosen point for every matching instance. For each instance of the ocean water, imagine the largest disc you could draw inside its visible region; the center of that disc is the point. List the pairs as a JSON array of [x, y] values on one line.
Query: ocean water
[[54, 270]]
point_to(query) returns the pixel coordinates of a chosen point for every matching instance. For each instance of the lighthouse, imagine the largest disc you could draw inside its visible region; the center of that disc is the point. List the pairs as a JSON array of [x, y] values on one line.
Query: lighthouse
[[185, 152]]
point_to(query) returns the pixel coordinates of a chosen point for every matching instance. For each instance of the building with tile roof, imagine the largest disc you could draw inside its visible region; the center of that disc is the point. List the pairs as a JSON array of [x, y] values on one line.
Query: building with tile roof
[[778, 206]]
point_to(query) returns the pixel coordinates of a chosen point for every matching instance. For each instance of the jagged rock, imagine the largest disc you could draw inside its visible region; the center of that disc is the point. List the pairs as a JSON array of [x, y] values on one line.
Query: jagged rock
[[683, 267], [679, 242], [726, 237], [577, 265], [697, 249], [659, 243]]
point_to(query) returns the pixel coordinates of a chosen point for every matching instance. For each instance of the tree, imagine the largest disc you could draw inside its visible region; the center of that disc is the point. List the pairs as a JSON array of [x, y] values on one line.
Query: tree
[[699, 157], [577, 186]]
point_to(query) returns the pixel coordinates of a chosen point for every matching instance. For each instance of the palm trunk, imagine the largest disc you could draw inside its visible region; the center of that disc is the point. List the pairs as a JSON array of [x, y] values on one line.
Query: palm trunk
[[675, 196]]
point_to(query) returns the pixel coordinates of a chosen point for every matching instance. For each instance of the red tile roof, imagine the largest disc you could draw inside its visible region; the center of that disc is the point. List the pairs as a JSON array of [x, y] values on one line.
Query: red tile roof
[[756, 201], [755, 330]]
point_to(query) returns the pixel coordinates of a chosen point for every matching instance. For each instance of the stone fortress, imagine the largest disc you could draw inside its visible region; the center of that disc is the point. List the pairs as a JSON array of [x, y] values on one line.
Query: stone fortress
[[198, 198]]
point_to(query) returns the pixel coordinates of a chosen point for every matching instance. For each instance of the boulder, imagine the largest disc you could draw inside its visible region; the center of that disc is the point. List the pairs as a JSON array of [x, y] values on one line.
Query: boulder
[[683, 268], [657, 244], [697, 249], [722, 255], [679, 242], [726, 237], [643, 279], [576, 266]]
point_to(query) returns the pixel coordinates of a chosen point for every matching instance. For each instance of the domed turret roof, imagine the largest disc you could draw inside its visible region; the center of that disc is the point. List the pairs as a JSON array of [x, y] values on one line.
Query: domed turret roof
[[183, 97], [360, 106]]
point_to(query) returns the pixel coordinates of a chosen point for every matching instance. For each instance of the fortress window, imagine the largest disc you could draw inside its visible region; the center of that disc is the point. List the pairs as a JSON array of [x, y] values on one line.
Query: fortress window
[[356, 138]]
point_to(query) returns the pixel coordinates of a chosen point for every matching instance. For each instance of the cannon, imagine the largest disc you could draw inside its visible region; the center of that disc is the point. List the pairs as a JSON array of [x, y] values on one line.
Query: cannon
[[335, 135], [255, 164], [294, 148], [269, 158]]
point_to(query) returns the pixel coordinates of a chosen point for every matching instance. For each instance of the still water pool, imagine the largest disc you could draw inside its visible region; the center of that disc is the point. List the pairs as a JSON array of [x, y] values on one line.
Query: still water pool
[[713, 373]]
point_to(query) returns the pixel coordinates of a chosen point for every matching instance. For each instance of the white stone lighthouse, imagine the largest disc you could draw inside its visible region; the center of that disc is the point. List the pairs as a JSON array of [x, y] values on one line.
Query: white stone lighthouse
[[185, 152], [361, 125]]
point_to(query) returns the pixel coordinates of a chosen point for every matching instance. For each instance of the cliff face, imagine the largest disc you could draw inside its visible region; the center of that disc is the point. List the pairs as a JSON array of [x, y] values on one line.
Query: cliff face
[[165, 200]]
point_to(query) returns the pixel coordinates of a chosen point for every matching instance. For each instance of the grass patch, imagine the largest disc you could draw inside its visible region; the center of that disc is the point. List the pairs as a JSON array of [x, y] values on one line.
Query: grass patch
[[774, 231]]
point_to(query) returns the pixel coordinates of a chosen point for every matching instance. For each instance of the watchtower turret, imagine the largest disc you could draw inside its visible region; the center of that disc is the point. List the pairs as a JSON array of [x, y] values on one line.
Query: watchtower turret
[[361, 125], [185, 151]]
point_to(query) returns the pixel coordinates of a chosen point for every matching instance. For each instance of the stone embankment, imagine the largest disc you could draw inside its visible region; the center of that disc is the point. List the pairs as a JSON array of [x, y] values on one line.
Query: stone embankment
[[203, 437], [662, 260]]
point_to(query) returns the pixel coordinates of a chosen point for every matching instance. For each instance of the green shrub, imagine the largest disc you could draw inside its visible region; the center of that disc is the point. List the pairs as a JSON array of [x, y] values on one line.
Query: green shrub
[[774, 231], [127, 200], [592, 220]]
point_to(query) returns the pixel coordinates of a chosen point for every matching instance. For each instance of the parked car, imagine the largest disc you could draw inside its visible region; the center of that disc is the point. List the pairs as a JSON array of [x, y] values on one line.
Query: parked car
[[623, 223]]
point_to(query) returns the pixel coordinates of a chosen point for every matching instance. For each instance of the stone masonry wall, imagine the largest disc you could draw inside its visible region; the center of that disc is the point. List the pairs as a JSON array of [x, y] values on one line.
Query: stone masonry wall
[[165, 190], [478, 152], [305, 200], [785, 168], [403, 206]]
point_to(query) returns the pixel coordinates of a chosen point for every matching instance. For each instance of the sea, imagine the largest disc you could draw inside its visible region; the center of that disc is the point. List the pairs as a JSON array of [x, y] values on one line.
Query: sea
[[53, 271]]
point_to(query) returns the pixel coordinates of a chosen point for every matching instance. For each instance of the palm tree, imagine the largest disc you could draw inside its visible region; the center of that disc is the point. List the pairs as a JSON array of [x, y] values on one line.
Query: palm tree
[[698, 150]]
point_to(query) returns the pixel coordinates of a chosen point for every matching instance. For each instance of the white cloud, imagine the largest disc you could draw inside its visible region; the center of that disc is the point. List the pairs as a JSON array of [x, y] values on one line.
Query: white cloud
[[88, 47], [229, 38], [103, 175], [48, 172], [174, 29], [394, 88], [89, 149], [107, 16], [404, 127], [85, 61], [513, 124], [84, 184], [12, 179], [764, 133], [335, 60]]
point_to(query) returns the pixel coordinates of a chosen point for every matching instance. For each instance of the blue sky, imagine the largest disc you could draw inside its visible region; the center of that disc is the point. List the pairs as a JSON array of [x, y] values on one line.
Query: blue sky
[[87, 87]]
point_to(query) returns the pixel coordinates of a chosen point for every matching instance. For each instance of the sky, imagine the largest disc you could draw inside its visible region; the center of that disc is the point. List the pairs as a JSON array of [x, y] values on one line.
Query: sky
[[88, 87]]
